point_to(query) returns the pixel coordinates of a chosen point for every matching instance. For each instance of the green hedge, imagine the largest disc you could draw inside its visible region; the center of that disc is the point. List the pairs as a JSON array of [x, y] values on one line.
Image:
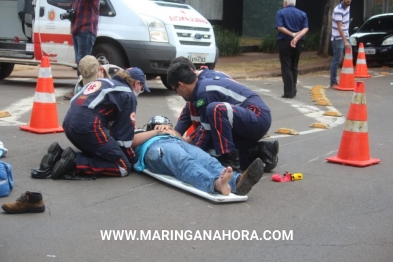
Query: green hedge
[[227, 41]]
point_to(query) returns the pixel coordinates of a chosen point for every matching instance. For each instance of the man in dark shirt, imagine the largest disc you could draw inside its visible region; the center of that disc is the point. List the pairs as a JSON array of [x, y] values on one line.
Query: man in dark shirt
[[84, 27], [292, 25]]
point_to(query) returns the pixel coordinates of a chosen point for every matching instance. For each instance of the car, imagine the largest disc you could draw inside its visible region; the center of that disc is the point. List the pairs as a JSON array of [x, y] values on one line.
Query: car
[[376, 34]]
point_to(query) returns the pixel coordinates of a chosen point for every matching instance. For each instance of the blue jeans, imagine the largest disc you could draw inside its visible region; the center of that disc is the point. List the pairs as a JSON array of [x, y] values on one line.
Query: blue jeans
[[338, 50], [187, 163], [83, 44]]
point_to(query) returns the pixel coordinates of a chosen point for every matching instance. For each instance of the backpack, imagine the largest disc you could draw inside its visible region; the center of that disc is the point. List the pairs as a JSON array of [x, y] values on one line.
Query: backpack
[[6, 180]]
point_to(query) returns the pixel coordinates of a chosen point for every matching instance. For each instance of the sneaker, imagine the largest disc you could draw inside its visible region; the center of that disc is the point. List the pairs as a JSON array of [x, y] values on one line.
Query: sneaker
[[65, 165], [53, 155], [28, 202], [250, 177], [231, 159], [267, 151]]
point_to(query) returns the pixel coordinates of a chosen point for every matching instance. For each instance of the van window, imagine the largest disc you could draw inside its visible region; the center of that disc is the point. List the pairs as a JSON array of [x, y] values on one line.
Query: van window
[[63, 4], [106, 7]]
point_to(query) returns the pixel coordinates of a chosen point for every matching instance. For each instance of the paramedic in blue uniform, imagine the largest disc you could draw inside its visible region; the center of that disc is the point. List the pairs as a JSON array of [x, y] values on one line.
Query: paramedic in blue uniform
[[104, 152], [231, 115]]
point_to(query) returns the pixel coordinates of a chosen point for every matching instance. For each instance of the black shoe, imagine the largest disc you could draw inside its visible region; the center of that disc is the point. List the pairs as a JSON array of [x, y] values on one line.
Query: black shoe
[[53, 155], [250, 177], [65, 165], [231, 159], [290, 97], [267, 151]]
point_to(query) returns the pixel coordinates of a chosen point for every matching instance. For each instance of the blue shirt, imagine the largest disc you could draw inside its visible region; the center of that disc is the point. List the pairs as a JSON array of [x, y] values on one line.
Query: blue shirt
[[292, 19]]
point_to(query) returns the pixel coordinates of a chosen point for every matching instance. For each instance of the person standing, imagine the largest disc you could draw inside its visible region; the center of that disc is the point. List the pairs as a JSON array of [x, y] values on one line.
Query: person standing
[[340, 36], [292, 25], [84, 28]]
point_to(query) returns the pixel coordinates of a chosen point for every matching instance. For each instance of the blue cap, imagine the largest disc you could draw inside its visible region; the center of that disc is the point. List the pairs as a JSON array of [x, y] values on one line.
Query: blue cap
[[137, 74]]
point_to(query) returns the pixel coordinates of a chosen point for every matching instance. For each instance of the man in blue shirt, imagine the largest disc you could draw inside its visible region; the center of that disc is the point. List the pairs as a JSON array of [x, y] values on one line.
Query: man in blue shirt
[[292, 25]]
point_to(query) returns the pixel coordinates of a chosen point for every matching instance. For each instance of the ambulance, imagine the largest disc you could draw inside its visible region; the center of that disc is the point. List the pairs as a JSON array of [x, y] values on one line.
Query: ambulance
[[144, 33]]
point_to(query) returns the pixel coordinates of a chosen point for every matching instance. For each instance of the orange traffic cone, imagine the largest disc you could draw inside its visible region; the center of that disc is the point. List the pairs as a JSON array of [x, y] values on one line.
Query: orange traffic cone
[[44, 114], [361, 69], [347, 78], [354, 148]]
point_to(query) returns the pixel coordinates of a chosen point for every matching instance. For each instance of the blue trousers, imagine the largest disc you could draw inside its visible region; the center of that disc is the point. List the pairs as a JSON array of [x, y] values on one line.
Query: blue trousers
[[101, 154], [338, 50], [235, 127], [187, 163], [83, 44]]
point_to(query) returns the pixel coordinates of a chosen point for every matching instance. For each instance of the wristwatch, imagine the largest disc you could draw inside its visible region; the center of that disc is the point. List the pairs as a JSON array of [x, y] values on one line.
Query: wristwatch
[[293, 35]]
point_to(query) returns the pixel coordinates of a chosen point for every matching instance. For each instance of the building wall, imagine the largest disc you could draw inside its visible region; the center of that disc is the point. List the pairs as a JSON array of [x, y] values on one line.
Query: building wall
[[259, 17], [210, 9]]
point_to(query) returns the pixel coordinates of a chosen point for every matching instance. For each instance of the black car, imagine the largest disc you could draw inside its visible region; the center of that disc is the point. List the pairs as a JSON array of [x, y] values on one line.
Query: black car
[[376, 34]]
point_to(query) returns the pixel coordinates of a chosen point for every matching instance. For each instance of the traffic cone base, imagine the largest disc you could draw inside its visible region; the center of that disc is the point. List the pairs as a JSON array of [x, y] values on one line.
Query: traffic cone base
[[361, 63], [354, 147], [370, 162], [44, 113]]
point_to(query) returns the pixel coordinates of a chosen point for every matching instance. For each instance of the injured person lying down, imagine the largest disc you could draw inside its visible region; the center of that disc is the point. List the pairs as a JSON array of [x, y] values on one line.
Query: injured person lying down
[[161, 150]]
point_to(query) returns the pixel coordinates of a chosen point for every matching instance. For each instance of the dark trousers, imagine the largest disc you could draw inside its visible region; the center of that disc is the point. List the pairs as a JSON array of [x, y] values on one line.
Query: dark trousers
[[289, 59]]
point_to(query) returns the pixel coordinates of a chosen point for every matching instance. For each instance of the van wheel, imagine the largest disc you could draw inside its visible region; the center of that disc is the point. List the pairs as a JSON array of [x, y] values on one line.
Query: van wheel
[[6, 70], [165, 82], [111, 52]]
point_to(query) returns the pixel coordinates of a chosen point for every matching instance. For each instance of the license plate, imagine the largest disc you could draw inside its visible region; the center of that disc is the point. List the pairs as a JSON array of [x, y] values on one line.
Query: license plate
[[369, 51], [197, 57], [29, 47]]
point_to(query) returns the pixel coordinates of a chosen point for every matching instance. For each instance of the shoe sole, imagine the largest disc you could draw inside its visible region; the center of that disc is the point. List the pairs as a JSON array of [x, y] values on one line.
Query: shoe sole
[[250, 177], [276, 148], [40, 209], [54, 154], [65, 164]]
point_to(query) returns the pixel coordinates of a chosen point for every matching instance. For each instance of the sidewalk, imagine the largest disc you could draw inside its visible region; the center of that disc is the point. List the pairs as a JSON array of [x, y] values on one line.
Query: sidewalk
[[245, 65]]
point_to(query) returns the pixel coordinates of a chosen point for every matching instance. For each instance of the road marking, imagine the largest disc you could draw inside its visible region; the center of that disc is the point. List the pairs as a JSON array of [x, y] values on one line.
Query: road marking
[[176, 104], [23, 106]]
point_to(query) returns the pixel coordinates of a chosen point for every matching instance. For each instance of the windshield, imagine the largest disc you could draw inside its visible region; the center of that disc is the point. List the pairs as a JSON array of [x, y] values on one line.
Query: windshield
[[378, 24], [171, 1]]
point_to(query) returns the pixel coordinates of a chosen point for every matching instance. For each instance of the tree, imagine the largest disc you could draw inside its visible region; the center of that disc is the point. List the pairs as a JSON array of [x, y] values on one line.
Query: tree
[[326, 30]]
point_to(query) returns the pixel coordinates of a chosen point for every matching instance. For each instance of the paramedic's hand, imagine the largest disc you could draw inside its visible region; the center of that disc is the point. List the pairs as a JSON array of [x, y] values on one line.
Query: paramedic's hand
[[163, 128]]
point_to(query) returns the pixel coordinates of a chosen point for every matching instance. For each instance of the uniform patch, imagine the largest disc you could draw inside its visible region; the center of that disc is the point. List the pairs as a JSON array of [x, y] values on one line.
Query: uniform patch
[[200, 102], [93, 87]]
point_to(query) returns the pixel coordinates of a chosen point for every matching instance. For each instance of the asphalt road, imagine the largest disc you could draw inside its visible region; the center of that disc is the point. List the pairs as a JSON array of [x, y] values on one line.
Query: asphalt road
[[336, 213]]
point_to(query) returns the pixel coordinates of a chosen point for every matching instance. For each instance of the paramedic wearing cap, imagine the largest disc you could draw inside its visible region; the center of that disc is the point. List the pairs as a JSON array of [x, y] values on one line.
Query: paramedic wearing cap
[[86, 126]]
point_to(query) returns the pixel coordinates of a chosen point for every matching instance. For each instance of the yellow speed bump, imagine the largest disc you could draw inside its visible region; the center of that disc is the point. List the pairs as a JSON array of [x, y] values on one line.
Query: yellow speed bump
[[287, 131], [4, 114], [333, 113], [323, 103], [320, 125]]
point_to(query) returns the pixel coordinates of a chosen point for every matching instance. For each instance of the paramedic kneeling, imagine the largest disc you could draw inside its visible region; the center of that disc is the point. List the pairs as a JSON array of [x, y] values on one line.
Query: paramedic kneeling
[[104, 152]]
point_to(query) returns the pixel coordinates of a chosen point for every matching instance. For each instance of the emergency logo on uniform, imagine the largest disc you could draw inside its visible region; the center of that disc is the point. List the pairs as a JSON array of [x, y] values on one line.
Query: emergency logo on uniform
[[93, 87], [200, 102]]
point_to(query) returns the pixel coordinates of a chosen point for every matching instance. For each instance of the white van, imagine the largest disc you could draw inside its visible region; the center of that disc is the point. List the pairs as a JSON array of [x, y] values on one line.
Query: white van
[[143, 33]]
